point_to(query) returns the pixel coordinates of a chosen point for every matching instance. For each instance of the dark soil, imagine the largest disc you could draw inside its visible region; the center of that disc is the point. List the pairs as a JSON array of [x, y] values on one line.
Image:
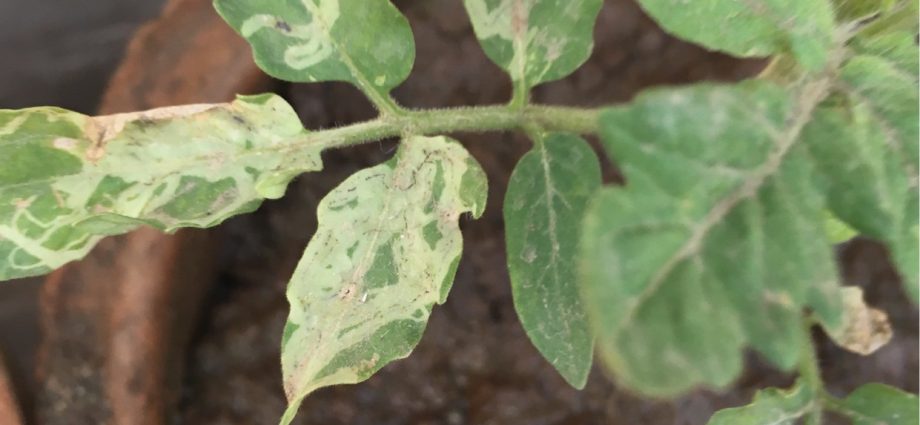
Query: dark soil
[[475, 365]]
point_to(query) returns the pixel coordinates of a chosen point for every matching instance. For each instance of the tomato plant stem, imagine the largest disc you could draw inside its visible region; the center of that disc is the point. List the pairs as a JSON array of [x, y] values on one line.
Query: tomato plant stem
[[810, 374], [458, 120]]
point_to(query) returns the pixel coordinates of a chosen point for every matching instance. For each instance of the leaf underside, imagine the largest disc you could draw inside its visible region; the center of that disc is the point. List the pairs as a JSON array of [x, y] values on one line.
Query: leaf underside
[[385, 253], [73, 178], [547, 195]]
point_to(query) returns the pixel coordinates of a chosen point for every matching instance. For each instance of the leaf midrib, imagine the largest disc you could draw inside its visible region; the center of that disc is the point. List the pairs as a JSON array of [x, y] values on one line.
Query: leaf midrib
[[308, 367], [812, 94], [363, 82]]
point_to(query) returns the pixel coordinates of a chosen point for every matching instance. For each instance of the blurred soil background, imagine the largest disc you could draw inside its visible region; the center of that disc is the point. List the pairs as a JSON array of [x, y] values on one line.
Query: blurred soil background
[[209, 341]]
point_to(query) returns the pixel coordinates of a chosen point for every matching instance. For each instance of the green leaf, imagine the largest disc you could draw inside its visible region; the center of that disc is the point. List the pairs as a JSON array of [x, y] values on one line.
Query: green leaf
[[859, 9], [905, 247], [894, 17], [365, 42], [715, 242], [877, 404], [535, 41], [888, 91], [546, 200], [850, 149], [385, 252], [866, 185], [837, 231], [897, 48], [67, 179], [864, 144], [771, 406], [804, 28]]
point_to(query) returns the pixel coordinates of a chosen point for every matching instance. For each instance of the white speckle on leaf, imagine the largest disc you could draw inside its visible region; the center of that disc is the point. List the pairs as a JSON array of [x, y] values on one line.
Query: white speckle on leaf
[[529, 254], [65, 143]]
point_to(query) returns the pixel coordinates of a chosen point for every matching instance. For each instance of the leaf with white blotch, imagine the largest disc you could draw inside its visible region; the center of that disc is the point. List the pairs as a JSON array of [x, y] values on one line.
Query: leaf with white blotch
[[863, 141], [546, 199], [366, 42], [385, 252], [716, 241], [67, 179], [864, 329], [771, 406], [878, 404], [535, 41], [804, 28]]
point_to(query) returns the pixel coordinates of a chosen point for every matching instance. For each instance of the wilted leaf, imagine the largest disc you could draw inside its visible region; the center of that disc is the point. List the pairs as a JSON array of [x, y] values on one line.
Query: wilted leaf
[[385, 252], [67, 179], [366, 42], [535, 41], [546, 200]]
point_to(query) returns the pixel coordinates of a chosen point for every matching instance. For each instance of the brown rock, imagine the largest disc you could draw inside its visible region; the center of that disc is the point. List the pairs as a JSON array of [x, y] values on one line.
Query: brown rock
[[116, 325]]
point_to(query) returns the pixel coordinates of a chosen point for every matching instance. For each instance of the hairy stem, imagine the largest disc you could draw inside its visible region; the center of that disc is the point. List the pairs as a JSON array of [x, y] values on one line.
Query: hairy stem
[[454, 120], [810, 374]]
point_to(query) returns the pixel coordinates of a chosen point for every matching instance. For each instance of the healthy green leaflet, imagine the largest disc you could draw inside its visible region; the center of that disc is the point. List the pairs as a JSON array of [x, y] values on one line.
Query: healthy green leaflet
[[803, 28], [878, 404], [547, 195]]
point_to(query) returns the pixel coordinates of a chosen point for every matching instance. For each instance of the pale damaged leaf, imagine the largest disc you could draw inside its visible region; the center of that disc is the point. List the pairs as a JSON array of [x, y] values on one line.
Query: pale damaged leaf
[[67, 179], [771, 406], [365, 42], [535, 41], [864, 329], [384, 254], [544, 205], [804, 28], [716, 242], [878, 404]]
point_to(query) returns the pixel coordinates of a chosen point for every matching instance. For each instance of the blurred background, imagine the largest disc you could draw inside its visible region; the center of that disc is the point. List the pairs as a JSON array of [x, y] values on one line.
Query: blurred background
[[185, 328]]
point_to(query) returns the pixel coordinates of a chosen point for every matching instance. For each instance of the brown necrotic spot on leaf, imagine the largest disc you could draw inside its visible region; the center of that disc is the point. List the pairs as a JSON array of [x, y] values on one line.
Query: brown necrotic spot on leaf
[[865, 329]]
